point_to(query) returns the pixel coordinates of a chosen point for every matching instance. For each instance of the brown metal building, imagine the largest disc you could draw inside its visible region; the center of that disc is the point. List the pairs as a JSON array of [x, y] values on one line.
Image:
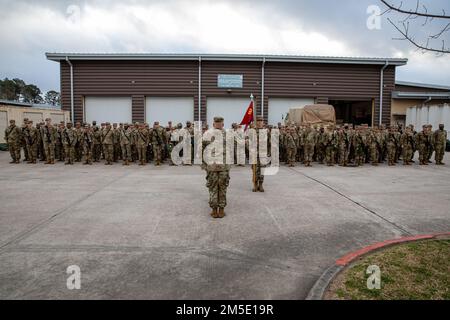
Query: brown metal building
[[150, 87]]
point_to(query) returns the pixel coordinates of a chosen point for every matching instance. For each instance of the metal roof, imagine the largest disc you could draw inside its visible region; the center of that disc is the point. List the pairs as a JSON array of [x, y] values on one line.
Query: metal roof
[[27, 104], [423, 85], [224, 57], [420, 95]]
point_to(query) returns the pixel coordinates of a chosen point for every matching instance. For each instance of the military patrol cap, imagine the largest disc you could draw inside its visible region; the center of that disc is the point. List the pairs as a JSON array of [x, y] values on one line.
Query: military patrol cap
[[107, 123], [218, 119], [30, 121], [69, 122], [156, 123], [12, 121]]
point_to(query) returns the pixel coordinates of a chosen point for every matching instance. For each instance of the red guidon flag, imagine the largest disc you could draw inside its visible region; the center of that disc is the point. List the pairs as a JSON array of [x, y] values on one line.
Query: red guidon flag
[[248, 117]]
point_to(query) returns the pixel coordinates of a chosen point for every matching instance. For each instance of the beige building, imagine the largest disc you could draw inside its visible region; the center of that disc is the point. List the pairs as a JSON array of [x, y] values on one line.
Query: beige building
[[410, 94], [10, 110]]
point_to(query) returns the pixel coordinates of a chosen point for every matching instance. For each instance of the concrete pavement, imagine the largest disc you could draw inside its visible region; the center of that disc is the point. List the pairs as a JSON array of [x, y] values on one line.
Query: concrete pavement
[[145, 232]]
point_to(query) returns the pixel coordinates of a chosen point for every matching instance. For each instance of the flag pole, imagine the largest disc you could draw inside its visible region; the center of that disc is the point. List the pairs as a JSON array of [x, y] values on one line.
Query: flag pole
[[254, 126]]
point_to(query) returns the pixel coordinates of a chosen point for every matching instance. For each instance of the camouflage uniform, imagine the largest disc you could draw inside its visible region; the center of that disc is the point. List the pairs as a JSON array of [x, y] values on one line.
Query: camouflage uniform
[[310, 142], [108, 144], [373, 143], [116, 139], [258, 176], [126, 137], [157, 138], [291, 148], [358, 144], [59, 148], [391, 146], [142, 139], [13, 136], [48, 134], [70, 138], [421, 143], [32, 139], [440, 139], [79, 144], [97, 142], [217, 179], [407, 143], [330, 146], [88, 145]]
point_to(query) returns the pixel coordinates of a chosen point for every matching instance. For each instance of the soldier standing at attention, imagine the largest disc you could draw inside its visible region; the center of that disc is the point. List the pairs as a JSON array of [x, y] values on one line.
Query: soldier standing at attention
[[258, 176], [108, 143], [40, 146], [330, 146], [373, 143], [69, 140], [421, 143], [59, 151], [310, 142], [97, 141], [126, 136], [430, 142], [358, 145], [79, 143], [48, 134], [217, 177], [13, 136], [142, 139], [23, 142], [391, 145], [32, 139], [88, 144], [116, 145], [440, 139], [407, 143], [291, 146], [157, 142]]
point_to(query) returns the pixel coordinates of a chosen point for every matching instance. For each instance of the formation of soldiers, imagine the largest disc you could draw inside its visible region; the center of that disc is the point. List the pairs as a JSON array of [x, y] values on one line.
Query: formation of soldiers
[[129, 143], [139, 143], [346, 145]]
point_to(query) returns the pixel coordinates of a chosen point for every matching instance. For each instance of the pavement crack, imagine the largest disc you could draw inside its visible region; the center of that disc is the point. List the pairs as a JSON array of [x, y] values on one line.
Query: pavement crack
[[393, 224]]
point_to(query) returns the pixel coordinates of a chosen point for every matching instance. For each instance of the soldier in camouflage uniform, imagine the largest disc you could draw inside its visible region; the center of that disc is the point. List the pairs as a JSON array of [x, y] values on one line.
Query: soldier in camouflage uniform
[[310, 138], [116, 144], [358, 142], [23, 142], [290, 146], [97, 142], [440, 139], [40, 154], [48, 134], [430, 143], [157, 138], [407, 143], [421, 143], [217, 177], [69, 141], [373, 141], [258, 176], [142, 140], [126, 137], [79, 144], [330, 145], [13, 136], [59, 148], [108, 144], [320, 146], [88, 144], [391, 146], [32, 139]]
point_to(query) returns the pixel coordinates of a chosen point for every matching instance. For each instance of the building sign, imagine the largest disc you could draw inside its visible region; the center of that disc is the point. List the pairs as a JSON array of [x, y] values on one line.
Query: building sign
[[230, 80]]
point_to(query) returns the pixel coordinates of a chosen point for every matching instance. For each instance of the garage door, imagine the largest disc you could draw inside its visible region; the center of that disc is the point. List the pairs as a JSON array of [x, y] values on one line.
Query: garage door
[[107, 109], [231, 109], [3, 125], [165, 109], [36, 117], [279, 107]]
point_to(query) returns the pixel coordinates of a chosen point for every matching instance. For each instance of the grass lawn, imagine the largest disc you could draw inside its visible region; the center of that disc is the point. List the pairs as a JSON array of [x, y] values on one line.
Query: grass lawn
[[415, 270]]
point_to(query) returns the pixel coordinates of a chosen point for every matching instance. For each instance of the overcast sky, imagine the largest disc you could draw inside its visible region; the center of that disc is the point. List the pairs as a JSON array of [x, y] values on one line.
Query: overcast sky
[[319, 27]]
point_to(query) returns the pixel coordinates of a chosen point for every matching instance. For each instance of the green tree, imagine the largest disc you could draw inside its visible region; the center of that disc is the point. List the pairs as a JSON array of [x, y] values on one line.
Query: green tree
[[9, 90], [31, 94], [52, 97]]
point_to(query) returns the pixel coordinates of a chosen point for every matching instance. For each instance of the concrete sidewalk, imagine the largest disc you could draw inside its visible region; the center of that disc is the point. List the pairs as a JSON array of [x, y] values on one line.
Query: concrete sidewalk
[[145, 232]]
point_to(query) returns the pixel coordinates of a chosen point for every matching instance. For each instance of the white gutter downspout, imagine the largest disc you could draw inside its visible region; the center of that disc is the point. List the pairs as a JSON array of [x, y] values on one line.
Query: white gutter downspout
[[199, 89], [71, 90], [262, 86], [381, 91]]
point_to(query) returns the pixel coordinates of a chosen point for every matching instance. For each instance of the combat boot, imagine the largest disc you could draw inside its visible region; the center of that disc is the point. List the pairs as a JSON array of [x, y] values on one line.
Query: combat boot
[[214, 213], [260, 187], [221, 213]]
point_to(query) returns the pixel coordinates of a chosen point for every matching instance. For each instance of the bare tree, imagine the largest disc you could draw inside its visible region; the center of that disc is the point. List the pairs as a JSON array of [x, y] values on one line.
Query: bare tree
[[421, 17]]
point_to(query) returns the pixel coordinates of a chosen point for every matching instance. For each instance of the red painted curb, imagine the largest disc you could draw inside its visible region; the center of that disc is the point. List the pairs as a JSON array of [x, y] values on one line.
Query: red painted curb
[[355, 254]]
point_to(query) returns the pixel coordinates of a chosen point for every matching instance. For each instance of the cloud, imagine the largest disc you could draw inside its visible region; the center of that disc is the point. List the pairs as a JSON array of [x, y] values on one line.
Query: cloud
[[271, 27]]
